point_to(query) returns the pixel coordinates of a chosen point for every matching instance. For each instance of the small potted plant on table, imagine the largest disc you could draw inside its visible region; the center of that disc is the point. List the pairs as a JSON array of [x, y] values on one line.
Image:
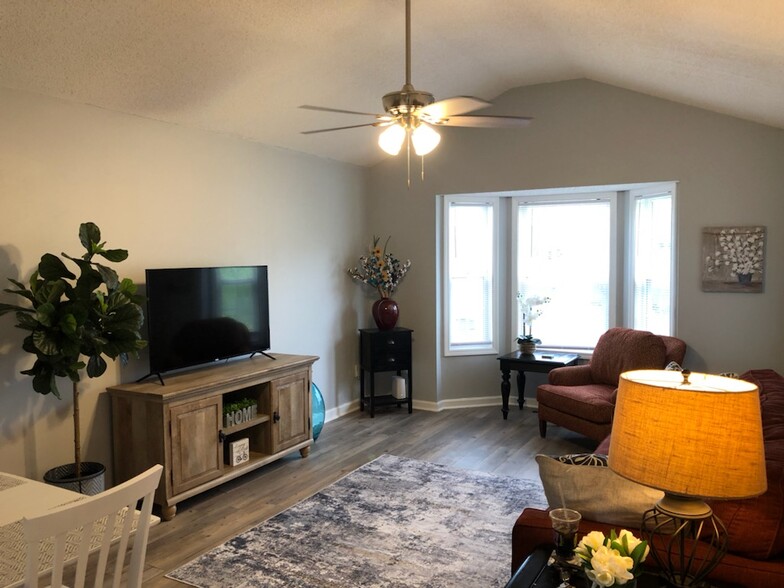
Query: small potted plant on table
[[527, 342]]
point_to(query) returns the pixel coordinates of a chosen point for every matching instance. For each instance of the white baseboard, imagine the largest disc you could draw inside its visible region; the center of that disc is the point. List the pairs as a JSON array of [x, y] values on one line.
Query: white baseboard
[[478, 401]]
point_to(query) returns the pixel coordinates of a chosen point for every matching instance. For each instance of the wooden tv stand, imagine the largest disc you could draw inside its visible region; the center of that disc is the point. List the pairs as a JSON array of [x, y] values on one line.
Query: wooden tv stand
[[180, 424]]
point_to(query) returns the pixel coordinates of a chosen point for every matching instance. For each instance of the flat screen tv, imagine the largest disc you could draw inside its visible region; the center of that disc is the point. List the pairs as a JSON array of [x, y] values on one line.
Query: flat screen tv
[[200, 315]]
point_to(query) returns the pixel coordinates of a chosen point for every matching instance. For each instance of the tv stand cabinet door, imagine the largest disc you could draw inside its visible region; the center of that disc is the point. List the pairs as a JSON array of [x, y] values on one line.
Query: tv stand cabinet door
[[196, 450], [290, 396]]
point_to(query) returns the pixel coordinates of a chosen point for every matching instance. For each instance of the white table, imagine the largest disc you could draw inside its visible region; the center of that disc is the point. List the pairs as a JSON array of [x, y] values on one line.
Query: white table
[[21, 497]]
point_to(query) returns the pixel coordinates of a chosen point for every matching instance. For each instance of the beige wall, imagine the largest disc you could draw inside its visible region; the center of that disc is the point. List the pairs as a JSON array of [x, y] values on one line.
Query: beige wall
[[173, 197], [729, 171], [179, 197]]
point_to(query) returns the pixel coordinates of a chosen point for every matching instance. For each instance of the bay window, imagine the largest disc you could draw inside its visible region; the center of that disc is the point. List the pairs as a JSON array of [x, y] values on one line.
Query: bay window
[[600, 257]]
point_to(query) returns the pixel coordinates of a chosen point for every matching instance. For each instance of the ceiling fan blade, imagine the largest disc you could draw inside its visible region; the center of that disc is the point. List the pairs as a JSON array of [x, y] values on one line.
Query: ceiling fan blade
[[325, 109], [373, 124], [487, 121], [453, 106]]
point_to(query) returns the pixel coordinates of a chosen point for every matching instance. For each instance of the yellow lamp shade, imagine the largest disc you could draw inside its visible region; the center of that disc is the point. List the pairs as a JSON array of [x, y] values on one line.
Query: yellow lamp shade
[[702, 438]]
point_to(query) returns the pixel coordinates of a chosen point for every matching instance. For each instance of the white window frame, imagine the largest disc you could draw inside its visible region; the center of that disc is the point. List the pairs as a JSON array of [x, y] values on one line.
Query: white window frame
[[621, 261], [544, 198], [641, 192], [479, 349]]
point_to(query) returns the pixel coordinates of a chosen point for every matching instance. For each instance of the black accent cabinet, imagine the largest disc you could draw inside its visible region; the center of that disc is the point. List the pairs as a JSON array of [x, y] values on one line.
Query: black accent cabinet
[[384, 351]]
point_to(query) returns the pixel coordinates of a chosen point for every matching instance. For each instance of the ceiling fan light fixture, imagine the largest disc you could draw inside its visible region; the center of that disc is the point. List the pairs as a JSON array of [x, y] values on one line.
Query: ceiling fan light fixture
[[412, 116], [392, 138], [425, 138]]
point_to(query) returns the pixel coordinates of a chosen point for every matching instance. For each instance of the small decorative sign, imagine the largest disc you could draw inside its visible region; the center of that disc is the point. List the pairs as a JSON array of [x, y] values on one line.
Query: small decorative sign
[[239, 451], [733, 259], [239, 412]]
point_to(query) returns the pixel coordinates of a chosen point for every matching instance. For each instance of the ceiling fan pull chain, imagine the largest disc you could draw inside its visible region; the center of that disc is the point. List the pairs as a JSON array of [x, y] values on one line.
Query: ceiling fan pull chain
[[423, 168], [408, 159]]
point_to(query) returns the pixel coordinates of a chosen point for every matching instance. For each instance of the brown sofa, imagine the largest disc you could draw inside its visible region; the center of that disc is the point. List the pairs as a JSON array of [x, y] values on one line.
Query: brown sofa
[[582, 398], [755, 526]]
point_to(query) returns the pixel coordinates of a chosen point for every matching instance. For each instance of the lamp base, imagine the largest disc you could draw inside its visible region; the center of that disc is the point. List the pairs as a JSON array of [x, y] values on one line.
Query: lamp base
[[683, 507], [686, 539]]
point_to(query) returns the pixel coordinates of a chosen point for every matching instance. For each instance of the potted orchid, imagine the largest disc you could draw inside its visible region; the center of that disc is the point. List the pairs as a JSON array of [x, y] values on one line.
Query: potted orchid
[[529, 312], [612, 561]]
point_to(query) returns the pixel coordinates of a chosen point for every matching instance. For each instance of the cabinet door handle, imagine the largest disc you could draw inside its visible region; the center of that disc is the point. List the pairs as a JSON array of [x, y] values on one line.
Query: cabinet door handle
[[390, 341], [275, 417], [392, 360], [221, 436]]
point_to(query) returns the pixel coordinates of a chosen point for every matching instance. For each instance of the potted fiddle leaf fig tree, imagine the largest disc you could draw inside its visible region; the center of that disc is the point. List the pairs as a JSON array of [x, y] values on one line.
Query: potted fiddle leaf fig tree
[[91, 315]]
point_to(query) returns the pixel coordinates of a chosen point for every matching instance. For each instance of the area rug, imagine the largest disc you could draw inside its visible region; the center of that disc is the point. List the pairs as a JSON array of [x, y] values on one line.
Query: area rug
[[392, 523]]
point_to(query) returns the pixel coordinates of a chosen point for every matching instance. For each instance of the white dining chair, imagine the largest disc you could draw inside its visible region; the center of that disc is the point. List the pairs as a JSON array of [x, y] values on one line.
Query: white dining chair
[[77, 529]]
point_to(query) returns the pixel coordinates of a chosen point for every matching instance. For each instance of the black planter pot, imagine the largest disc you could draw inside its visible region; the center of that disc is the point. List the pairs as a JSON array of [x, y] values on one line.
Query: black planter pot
[[90, 482]]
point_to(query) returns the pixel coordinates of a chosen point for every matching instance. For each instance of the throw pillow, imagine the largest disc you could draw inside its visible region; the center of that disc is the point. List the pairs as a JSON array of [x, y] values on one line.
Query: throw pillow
[[585, 483]]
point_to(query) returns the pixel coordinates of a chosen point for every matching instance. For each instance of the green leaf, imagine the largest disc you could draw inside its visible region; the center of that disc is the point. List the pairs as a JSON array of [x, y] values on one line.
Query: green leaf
[[24, 320], [28, 345], [128, 317], [89, 235], [16, 283], [45, 343], [69, 347], [72, 370], [109, 276], [103, 306], [50, 291], [78, 310], [6, 308], [45, 314], [44, 380], [638, 552], [21, 290], [115, 255], [96, 366], [52, 268], [68, 324], [127, 287], [89, 278]]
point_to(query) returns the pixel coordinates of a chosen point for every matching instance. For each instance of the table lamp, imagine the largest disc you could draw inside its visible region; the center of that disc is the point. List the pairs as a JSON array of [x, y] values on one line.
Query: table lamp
[[695, 437]]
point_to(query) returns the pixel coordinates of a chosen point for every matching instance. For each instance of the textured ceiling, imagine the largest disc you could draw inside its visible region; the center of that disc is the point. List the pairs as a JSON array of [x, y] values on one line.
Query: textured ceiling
[[243, 66]]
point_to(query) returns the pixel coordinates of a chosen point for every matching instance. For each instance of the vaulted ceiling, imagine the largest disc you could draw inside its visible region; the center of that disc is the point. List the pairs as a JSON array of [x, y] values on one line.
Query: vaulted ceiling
[[244, 66]]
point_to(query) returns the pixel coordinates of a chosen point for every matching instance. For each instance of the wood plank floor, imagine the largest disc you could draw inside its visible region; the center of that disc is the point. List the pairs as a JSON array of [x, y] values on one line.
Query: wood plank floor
[[470, 438]]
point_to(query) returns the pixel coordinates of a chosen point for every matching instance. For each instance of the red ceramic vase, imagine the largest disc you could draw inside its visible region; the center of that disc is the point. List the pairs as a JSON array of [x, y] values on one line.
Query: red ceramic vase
[[385, 313]]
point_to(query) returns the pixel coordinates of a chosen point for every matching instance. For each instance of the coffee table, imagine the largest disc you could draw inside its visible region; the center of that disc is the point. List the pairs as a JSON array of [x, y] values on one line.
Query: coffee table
[[540, 362]]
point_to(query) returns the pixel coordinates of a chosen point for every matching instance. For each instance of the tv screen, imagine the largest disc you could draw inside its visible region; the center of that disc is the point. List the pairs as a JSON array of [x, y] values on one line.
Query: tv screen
[[200, 315]]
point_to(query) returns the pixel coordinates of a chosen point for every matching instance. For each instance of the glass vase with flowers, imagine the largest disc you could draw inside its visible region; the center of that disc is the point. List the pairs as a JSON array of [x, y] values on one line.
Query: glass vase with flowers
[[383, 271], [612, 561]]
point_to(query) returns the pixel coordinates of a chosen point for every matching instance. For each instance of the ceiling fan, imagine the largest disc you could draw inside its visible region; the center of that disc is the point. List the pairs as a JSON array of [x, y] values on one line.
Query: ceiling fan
[[411, 116]]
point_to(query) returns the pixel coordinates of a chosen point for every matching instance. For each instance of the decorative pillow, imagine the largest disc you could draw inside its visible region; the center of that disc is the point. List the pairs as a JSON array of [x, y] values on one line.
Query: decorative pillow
[[585, 483]]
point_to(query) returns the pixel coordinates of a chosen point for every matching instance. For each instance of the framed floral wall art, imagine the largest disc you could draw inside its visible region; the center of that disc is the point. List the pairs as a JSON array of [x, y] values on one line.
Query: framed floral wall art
[[733, 259]]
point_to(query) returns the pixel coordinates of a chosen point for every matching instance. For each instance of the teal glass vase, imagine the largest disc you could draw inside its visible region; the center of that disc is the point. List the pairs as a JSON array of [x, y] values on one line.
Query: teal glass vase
[[318, 410]]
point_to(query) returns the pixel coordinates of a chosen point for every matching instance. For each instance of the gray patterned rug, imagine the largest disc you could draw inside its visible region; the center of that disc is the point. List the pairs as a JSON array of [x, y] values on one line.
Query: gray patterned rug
[[392, 523]]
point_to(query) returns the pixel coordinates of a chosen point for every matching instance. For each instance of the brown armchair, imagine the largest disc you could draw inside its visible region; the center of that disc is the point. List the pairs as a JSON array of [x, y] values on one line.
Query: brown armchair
[[582, 398]]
